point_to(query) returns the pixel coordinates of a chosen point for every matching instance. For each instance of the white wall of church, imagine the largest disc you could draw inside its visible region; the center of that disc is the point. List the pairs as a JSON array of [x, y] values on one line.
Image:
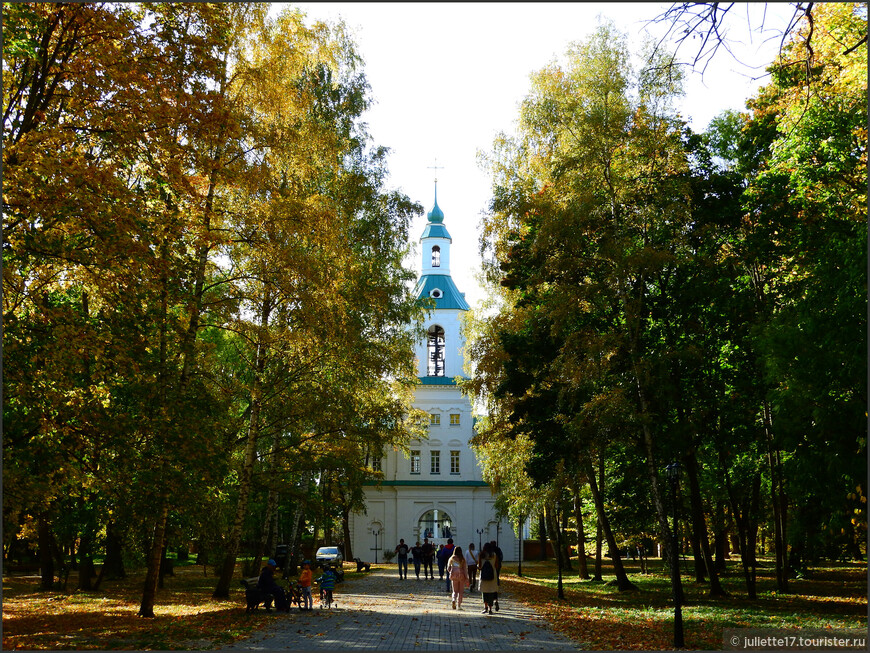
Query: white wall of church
[[449, 432], [395, 508], [395, 512]]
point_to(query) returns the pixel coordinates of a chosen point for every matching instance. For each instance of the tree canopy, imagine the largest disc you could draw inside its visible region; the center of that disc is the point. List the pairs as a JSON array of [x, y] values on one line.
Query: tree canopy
[[671, 296]]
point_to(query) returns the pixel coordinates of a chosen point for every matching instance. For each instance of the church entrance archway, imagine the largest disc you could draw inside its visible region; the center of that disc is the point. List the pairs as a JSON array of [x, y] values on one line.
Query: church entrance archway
[[435, 524]]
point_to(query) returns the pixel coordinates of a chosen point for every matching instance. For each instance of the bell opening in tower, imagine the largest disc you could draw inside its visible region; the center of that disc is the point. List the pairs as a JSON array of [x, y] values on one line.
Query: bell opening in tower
[[435, 345], [436, 257]]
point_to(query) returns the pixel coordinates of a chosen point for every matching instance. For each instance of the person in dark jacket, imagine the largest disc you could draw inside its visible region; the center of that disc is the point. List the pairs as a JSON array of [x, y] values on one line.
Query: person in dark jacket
[[471, 563], [417, 558], [266, 583], [428, 553], [499, 556], [402, 551]]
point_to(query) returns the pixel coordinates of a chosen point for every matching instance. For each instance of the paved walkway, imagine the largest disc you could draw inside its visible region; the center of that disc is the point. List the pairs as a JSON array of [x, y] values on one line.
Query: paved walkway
[[381, 612]]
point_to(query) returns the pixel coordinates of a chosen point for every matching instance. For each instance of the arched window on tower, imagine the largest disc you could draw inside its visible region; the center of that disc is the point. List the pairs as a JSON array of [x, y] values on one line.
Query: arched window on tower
[[436, 257], [435, 348]]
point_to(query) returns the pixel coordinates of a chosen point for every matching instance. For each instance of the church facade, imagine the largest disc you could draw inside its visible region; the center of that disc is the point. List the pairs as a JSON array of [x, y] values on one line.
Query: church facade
[[437, 490]]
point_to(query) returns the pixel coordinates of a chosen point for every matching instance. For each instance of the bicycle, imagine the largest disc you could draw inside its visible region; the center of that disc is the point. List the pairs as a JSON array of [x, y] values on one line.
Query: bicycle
[[325, 598], [294, 595]]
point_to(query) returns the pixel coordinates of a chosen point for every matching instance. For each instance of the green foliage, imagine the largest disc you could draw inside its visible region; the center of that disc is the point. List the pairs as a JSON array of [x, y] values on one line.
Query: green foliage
[[663, 294]]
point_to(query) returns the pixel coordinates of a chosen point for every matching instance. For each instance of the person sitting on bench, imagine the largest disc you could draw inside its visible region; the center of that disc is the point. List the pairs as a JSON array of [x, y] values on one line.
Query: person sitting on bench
[[266, 583]]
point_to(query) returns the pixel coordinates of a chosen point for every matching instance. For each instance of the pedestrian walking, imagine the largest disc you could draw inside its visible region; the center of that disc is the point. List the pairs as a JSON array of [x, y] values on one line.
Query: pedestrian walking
[[402, 551], [446, 553], [428, 556], [471, 561], [441, 560], [488, 585], [417, 557], [457, 572], [499, 556]]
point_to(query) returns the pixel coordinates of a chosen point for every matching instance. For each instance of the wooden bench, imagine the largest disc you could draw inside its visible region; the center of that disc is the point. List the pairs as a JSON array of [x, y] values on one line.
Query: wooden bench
[[255, 596], [360, 565]]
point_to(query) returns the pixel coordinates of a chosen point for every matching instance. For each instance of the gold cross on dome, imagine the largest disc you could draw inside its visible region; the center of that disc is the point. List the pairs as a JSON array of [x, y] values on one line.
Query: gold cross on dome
[[436, 168]]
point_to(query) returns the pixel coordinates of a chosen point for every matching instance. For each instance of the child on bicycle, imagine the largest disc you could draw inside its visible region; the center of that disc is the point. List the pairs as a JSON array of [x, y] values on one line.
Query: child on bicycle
[[327, 584]]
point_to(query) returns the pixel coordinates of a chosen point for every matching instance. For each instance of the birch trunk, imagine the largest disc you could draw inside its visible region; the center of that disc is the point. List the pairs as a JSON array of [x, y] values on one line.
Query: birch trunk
[[778, 501], [229, 563], [599, 533], [583, 571]]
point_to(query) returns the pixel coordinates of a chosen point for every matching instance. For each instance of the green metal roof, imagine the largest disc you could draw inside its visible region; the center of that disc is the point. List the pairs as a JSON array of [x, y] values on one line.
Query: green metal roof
[[450, 297], [436, 231], [439, 380]]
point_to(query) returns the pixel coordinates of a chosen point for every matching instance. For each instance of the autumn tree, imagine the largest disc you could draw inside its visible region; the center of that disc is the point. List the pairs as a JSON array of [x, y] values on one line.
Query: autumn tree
[[198, 244], [84, 261], [589, 209], [317, 252]]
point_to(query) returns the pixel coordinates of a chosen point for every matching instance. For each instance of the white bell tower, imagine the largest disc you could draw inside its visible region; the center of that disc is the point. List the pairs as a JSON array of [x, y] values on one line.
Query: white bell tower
[[435, 490], [439, 353]]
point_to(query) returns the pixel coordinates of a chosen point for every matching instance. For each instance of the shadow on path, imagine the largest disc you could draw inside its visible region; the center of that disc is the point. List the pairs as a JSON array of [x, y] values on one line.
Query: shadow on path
[[379, 611]]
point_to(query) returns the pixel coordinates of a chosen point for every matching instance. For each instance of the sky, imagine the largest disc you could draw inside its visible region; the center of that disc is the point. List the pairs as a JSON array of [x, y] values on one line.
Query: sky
[[446, 78]]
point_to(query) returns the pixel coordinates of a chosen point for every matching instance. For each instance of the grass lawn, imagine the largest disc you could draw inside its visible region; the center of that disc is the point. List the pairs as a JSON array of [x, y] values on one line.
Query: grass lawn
[[600, 617], [186, 615]]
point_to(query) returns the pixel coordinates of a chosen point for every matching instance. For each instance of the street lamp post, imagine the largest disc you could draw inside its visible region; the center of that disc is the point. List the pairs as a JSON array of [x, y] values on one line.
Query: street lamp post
[[479, 540], [376, 532], [520, 525], [673, 471], [559, 553]]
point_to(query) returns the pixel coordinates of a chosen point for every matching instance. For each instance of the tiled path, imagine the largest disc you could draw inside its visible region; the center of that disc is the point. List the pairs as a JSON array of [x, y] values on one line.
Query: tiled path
[[381, 612]]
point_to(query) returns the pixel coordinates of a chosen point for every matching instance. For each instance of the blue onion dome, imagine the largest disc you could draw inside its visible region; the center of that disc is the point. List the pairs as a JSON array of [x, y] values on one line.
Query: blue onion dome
[[436, 214]]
